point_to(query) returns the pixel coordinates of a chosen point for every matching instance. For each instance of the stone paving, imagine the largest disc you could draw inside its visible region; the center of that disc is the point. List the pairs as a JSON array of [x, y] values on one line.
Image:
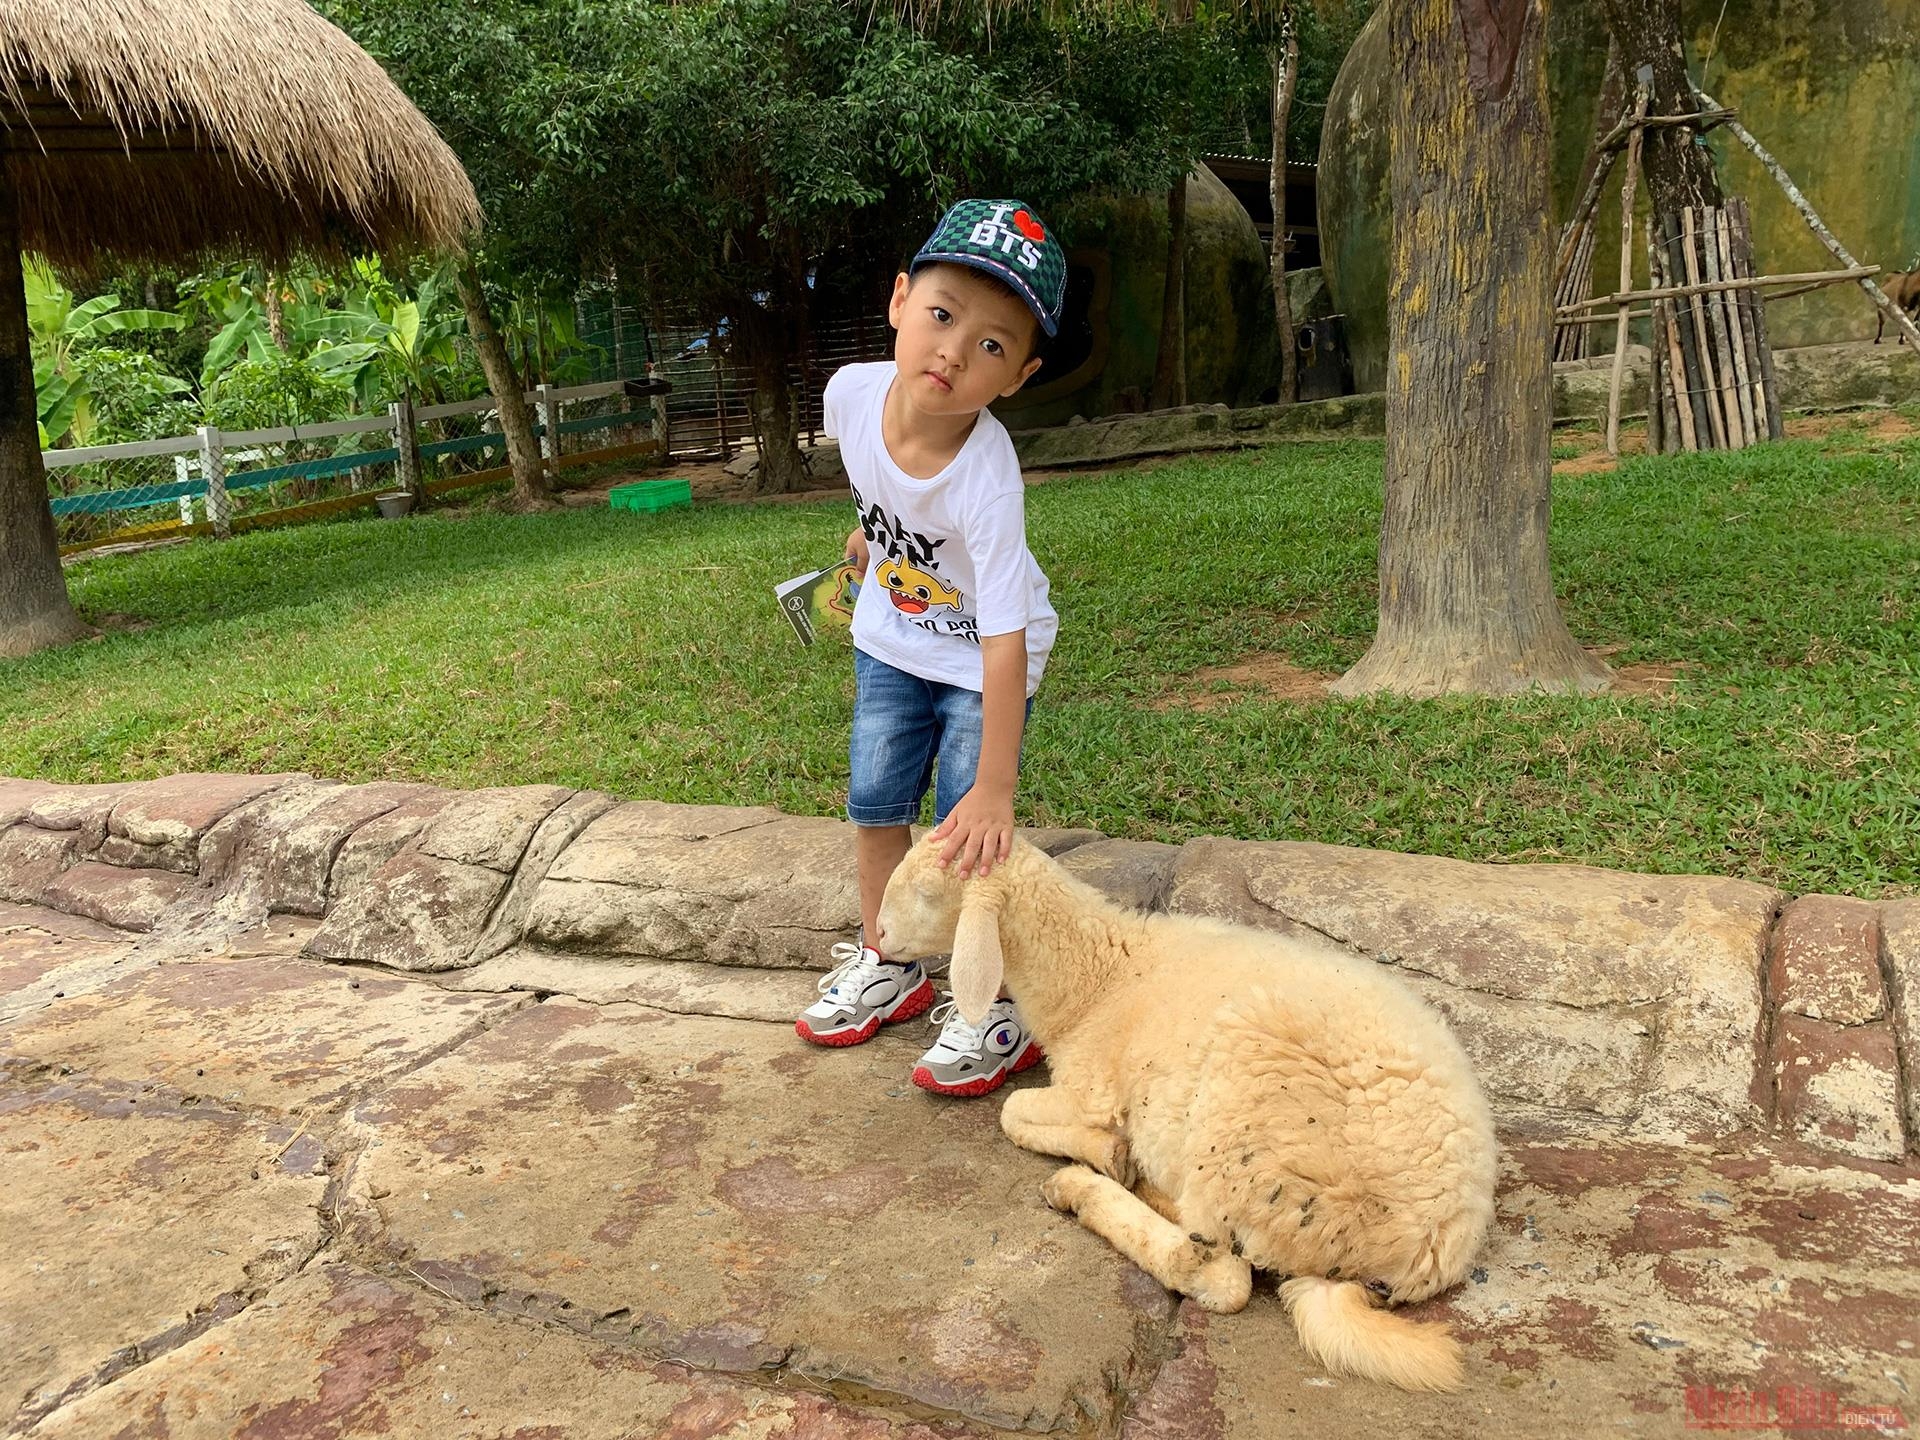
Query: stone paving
[[384, 1110]]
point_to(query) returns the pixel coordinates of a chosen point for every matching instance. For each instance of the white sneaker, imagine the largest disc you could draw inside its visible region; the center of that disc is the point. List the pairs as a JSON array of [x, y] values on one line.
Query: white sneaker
[[969, 1060], [860, 994]]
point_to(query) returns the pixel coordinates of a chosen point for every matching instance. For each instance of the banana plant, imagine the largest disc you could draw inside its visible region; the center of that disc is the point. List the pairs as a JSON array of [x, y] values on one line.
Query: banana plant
[[380, 341], [57, 327], [239, 302], [547, 337]]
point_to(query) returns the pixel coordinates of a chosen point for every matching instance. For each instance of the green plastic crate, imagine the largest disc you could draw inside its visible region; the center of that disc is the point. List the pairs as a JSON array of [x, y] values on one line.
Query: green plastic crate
[[651, 495]]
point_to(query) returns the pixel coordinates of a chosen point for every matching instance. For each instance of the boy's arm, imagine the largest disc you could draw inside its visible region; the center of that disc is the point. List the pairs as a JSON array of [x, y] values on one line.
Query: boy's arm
[[979, 830]]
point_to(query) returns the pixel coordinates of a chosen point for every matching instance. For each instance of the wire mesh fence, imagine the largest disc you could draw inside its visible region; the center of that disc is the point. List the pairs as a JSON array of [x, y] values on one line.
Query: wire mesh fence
[[458, 441], [300, 472], [709, 409], [142, 490], [599, 422], [220, 483], [217, 482]]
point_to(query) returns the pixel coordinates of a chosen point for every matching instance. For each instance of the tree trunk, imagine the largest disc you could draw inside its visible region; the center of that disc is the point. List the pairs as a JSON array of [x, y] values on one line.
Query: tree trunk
[[532, 489], [1466, 602], [766, 339], [1609, 108], [1286, 67], [1679, 171], [34, 609], [782, 469], [1170, 367], [276, 314], [1573, 259]]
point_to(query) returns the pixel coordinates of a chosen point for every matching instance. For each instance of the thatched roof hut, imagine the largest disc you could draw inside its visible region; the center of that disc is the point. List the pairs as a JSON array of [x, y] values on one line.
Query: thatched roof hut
[[165, 129], [159, 129]]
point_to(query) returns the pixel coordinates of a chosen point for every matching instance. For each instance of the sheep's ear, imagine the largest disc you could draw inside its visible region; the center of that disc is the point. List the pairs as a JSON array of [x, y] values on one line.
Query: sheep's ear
[[978, 965]]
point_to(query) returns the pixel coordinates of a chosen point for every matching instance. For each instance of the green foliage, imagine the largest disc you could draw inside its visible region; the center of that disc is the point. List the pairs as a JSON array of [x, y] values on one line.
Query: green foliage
[[1782, 753], [59, 328], [383, 343], [363, 328], [130, 396], [276, 388], [722, 154], [1240, 118]]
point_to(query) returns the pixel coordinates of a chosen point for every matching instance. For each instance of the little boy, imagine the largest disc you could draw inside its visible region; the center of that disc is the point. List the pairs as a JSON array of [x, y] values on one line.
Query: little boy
[[952, 628]]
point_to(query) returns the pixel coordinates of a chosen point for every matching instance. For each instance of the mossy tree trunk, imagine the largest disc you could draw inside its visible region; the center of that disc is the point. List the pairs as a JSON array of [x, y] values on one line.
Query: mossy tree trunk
[[1679, 169], [1466, 602], [34, 609], [532, 488]]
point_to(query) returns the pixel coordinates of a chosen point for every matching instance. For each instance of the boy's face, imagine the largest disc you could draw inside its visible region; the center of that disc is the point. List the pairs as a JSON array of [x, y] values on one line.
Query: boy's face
[[963, 339]]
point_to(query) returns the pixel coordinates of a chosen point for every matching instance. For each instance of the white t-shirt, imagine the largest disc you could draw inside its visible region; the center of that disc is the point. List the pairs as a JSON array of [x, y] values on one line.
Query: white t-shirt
[[947, 557]]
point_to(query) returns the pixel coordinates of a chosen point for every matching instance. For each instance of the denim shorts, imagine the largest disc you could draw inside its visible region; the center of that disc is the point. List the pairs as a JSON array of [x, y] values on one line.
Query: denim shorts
[[902, 725]]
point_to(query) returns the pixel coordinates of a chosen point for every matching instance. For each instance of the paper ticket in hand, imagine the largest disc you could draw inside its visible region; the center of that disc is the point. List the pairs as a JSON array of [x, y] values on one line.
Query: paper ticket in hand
[[820, 597]]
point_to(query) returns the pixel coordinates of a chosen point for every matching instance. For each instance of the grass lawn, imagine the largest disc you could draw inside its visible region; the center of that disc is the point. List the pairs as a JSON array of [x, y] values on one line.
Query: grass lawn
[[643, 655]]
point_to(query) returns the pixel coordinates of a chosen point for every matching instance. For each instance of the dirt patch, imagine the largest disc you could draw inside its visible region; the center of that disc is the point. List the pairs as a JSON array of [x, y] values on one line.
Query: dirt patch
[[1594, 462], [1274, 677], [1819, 427], [1648, 677], [1643, 677], [1875, 424], [711, 483], [114, 621], [1589, 449], [1267, 674]]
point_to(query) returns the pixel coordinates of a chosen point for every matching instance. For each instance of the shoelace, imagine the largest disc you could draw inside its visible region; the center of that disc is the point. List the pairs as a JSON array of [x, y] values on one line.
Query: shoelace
[[947, 1016], [850, 968]]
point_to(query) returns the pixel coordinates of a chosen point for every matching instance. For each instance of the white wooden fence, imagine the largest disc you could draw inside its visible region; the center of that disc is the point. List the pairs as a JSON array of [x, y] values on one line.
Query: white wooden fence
[[215, 481]]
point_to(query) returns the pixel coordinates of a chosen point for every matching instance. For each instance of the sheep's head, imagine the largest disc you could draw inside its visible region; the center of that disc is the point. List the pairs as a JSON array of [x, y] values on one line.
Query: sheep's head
[[930, 910]]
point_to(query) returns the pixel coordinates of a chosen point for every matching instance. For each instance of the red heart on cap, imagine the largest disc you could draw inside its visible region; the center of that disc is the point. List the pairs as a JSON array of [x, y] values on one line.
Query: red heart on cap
[[1028, 226]]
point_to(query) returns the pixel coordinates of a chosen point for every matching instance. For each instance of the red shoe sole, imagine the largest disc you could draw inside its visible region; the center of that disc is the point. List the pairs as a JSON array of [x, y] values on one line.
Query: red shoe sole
[[839, 1038], [985, 1085], [915, 1004]]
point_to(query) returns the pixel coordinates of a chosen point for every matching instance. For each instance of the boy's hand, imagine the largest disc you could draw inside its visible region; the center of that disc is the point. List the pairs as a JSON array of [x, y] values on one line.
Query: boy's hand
[[856, 550], [978, 832]]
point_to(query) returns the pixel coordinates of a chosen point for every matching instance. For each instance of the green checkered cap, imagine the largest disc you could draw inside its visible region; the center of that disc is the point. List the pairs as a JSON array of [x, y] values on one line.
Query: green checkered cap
[[1005, 239]]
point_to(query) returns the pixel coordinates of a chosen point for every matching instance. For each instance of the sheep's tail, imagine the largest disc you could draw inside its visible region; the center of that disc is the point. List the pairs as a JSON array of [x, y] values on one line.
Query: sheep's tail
[[1340, 1327]]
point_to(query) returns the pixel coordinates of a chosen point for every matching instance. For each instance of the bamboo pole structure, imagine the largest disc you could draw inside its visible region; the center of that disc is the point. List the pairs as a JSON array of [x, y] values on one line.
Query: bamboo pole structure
[[1818, 226], [1663, 421], [1776, 428], [1589, 202], [1733, 352], [1598, 319], [1814, 280], [1702, 342], [1627, 185], [1719, 332], [1740, 306], [1701, 120], [1680, 313], [1570, 335]]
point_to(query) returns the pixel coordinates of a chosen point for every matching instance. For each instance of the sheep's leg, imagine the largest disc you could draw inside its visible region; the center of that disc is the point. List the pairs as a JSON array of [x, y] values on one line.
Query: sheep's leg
[[1053, 1122], [1211, 1273]]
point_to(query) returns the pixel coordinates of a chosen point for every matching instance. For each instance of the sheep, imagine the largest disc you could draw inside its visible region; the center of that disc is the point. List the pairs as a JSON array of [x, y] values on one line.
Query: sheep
[[1277, 1102]]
